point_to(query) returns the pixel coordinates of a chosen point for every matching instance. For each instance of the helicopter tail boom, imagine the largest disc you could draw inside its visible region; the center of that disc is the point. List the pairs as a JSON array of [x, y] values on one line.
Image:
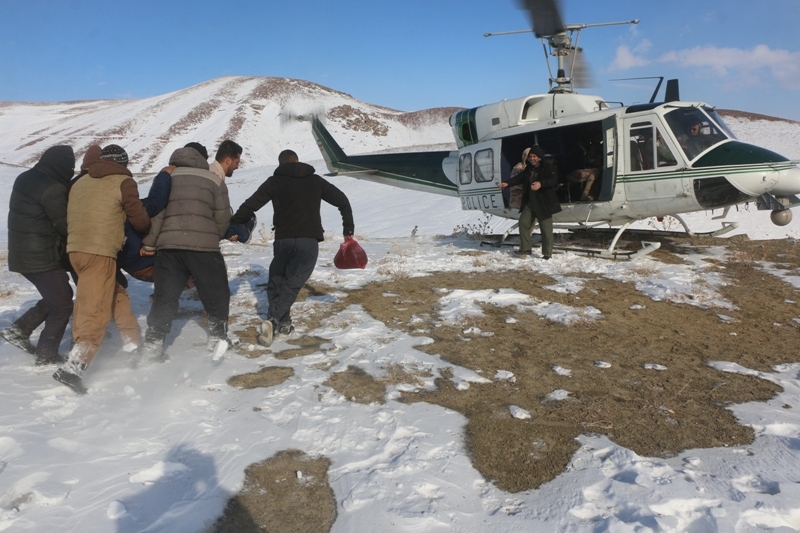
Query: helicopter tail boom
[[421, 171]]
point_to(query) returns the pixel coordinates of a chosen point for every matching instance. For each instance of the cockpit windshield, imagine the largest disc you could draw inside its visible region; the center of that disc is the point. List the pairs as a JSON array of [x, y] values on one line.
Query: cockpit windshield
[[694, 130], [718, 119]]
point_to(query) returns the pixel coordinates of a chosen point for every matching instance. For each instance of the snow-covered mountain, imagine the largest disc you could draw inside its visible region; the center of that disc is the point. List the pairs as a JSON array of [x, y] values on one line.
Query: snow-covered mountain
[[265, 115]]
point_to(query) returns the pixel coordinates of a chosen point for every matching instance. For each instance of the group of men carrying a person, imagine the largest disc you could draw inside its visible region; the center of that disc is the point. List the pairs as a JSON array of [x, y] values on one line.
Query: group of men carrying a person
[[95, 225]]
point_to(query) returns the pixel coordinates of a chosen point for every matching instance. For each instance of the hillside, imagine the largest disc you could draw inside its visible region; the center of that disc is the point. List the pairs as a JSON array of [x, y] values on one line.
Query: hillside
[[263, 114]]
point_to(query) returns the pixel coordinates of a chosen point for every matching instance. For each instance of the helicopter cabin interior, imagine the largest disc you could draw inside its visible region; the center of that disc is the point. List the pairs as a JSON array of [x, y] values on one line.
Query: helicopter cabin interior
[[575, 151]]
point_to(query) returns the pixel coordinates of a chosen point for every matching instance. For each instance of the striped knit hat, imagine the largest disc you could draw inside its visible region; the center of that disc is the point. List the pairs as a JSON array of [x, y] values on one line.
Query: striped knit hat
[[115, 153]]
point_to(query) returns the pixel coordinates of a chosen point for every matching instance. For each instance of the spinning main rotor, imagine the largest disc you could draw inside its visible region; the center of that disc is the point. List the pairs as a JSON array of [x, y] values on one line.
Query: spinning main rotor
[[559, 40]]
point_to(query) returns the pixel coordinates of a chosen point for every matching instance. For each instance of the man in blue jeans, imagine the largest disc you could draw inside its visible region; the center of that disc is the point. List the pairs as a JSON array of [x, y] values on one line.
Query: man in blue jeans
[[296, 193]]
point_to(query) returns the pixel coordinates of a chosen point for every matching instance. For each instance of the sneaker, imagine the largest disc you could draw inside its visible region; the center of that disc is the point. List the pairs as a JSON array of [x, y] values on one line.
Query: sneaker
[[14, 335], [285, 330], [267, 329], [73, 381], [218, 347]]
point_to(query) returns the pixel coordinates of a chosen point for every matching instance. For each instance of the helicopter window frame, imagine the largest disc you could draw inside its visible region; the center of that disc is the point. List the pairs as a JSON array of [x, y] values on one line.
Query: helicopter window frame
[[639, 133], [483, 159], [710, 133], [655, 156], [465, 170]]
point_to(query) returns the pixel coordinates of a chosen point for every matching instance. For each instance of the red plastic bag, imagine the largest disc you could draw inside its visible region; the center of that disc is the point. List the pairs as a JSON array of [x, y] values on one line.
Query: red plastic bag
[[350, 255]]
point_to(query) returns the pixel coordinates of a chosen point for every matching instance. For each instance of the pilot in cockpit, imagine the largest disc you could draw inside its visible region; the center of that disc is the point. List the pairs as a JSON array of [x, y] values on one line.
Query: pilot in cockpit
[[691, 141]]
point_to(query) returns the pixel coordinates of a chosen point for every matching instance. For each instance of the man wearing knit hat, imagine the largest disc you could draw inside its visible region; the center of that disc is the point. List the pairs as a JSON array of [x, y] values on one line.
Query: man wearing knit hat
[[539, 201], [99, 204]]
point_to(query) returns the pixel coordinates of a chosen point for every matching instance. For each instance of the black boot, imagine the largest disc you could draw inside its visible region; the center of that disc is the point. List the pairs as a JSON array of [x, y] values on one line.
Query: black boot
[[14, 335], [73, 381], [20, 331], [47, 351], [71, 373]]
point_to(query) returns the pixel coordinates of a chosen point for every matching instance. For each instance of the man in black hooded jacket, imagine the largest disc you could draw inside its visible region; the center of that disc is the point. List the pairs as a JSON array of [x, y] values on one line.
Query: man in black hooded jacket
[[37, 233], [539, 201], [296, 194]]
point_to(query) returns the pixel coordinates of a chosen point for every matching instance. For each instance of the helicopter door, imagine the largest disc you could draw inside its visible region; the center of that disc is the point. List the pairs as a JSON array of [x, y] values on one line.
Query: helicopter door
[[609, 161], [479, 177], [650, 163]]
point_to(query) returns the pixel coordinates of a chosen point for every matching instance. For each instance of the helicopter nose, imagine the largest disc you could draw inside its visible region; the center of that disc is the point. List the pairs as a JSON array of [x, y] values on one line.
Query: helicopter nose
[[788, 182]]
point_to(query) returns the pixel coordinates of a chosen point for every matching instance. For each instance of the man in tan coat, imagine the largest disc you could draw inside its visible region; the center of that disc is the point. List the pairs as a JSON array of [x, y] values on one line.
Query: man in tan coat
[[99, 203]]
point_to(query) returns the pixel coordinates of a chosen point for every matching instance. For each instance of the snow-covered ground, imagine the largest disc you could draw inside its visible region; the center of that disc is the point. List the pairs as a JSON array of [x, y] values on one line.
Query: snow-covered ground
[[162, 447]]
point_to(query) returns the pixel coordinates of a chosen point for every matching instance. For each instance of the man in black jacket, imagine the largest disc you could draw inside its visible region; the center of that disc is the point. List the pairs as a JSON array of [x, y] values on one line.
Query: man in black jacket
[[296, 193], [539, 201], [37, 233]]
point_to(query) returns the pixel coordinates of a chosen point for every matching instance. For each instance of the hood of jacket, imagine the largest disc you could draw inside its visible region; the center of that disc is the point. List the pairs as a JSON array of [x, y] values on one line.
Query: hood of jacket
[[58, 162], [91, 156], [525, 153], [295, 170], [105, 167], [188, 157]]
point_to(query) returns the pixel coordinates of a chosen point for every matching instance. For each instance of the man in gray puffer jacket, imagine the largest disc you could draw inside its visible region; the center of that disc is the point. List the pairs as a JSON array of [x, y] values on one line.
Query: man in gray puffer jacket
[[37, 233], [186, 236]]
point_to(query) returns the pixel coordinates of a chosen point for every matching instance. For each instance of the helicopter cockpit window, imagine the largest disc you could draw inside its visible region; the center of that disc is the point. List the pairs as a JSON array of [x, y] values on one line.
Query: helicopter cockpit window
[[649, 149], [465, 169], [718, 119], [484, 165], [694, 130]]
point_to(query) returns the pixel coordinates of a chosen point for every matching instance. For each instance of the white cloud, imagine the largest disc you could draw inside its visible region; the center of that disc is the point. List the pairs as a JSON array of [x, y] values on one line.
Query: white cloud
[[735, 66], [627, 57]]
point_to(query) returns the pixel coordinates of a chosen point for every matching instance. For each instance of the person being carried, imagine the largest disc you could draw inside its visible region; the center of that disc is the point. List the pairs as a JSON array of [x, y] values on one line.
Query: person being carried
[[130, 258], [99, 204], [539, 201], [37, 234], [296, 193]]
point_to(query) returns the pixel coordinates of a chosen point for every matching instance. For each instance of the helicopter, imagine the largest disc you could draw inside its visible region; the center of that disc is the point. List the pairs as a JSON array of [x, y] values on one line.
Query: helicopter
[[616, 164]]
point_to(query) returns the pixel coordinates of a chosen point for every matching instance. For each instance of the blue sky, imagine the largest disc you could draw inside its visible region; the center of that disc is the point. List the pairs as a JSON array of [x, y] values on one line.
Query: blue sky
[[405, 55]]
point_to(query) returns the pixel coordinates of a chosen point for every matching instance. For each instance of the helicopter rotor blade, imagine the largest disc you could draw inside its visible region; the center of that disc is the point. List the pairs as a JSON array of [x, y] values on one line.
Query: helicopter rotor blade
[[581, 73], [545, 16]]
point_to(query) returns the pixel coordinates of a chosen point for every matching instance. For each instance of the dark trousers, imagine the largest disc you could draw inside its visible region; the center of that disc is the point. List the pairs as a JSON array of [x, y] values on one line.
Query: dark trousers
[[54, 309], [292, 264], [170, 274], [536, 210]]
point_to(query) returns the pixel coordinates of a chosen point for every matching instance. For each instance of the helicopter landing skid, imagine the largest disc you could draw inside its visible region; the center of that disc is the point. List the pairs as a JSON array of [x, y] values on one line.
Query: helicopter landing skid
[[647, 247], [726, 228], [499, 243]]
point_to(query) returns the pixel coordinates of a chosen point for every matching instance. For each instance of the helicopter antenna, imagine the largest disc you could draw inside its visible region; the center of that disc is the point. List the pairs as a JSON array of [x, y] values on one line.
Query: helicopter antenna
[[550, 28]]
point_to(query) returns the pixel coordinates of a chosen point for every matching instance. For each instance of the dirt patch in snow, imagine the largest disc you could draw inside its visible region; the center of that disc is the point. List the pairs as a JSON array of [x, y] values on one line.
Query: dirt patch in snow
[[357, 386], [640, 374], [288, 493], [266, 377]]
